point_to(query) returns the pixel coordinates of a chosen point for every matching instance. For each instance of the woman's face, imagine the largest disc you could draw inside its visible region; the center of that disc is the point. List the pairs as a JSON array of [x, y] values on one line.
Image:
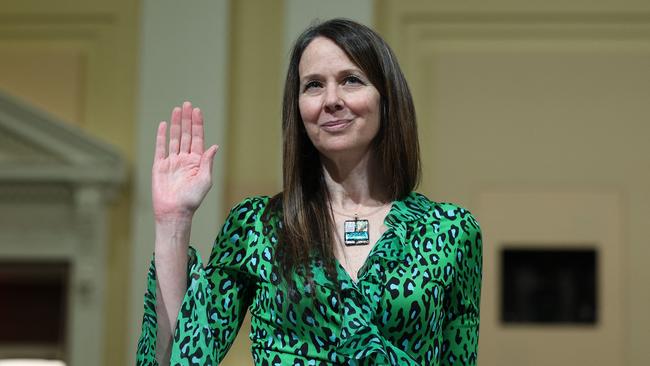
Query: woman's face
[[338, 105]]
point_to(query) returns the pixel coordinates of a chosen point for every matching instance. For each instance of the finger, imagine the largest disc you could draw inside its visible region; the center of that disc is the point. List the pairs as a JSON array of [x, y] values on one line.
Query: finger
[[208, 159], [175, 131], [186, 127], [197, 131], [161, 138]]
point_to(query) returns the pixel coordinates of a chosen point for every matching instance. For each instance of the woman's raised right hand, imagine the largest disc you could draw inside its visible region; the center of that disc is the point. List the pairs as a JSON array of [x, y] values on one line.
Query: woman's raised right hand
[[182, 174]]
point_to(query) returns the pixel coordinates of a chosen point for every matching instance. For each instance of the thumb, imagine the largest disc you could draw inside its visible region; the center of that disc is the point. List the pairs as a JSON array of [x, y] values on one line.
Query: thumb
[[208, 158]]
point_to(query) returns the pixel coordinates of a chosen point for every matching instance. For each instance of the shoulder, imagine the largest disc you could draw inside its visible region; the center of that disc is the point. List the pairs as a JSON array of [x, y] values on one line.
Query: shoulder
[[251, 203], [443, 214], [241, 231], [244, 216], [447, 211], [457, 233], [247, 211]]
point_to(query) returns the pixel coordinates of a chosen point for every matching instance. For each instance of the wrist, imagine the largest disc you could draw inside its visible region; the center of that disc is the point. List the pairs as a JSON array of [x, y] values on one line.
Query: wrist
[[173, 233], [175, 219]]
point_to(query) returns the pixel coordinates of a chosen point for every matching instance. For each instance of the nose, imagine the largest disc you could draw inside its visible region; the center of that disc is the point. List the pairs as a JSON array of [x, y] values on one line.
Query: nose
[[333, 101]]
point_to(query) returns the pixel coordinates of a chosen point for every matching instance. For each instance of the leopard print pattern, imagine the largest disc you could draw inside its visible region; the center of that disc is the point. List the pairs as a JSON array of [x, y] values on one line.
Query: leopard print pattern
[[416, 300]]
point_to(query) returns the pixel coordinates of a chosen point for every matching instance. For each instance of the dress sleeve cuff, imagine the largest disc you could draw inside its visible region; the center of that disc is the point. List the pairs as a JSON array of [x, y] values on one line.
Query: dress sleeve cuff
[[146, 351]]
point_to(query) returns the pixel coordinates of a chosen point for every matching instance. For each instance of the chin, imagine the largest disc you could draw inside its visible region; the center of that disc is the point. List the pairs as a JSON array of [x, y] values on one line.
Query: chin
[[332, 150]]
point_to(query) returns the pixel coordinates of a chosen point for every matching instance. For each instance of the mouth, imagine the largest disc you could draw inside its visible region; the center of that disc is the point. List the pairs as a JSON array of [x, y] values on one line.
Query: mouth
[[336, 125]]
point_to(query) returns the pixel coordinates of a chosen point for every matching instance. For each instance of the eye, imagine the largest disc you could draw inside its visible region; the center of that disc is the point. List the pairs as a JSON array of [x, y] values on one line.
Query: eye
[[312, 84], [353, 80]]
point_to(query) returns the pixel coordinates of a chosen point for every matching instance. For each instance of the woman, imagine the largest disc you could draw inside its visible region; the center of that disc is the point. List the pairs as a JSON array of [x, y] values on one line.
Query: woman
[[347, 265]]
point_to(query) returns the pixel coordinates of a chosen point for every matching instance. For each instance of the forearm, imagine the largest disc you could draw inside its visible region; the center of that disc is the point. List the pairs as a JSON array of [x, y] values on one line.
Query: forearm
[[171, 245]]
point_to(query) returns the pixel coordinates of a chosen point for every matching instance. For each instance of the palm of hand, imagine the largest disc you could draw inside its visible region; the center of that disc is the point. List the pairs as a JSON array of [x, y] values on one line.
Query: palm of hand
[[177, 184], [181, 177]]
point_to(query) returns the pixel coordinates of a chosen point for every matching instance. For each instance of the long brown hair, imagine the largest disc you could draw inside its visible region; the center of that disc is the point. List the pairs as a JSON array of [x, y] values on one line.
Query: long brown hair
[[306, 230]]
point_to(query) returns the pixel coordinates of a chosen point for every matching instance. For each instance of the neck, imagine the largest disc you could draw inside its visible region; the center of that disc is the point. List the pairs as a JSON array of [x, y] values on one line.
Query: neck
[[353, 182]]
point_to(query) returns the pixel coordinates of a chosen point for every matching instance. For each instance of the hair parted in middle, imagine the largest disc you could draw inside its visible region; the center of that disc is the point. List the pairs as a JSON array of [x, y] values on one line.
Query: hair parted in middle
[[303, 207]]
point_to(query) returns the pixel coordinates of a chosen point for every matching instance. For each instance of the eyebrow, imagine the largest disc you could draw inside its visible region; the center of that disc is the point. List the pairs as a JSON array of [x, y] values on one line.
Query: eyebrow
[[342, 72]]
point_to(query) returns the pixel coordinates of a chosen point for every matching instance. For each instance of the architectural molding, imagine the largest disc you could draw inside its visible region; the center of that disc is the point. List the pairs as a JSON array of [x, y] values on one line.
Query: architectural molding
[[53, 204], [42, 149]]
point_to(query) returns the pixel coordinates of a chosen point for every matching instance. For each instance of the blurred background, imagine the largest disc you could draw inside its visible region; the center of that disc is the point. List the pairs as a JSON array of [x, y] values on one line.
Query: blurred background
[[534, 115]]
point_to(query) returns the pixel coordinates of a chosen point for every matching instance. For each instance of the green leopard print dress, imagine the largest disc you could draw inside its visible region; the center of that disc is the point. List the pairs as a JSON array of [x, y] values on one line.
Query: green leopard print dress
[[416, 300]]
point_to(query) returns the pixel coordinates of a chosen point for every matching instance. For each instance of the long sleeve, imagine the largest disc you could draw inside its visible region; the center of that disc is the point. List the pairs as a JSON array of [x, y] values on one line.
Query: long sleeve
[[461, 325], [214, 305]]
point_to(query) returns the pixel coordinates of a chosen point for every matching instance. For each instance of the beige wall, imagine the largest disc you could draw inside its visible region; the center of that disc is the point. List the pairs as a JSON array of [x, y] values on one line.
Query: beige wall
[[549, 100], [254, 140], [534, 117], [76, 60]]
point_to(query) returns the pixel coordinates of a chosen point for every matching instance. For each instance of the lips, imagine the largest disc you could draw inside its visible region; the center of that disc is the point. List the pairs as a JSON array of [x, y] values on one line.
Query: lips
[[336, 125]]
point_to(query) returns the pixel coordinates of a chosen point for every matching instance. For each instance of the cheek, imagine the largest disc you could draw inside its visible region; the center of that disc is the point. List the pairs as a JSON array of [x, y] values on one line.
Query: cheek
[[370, 108], [309, 110]]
